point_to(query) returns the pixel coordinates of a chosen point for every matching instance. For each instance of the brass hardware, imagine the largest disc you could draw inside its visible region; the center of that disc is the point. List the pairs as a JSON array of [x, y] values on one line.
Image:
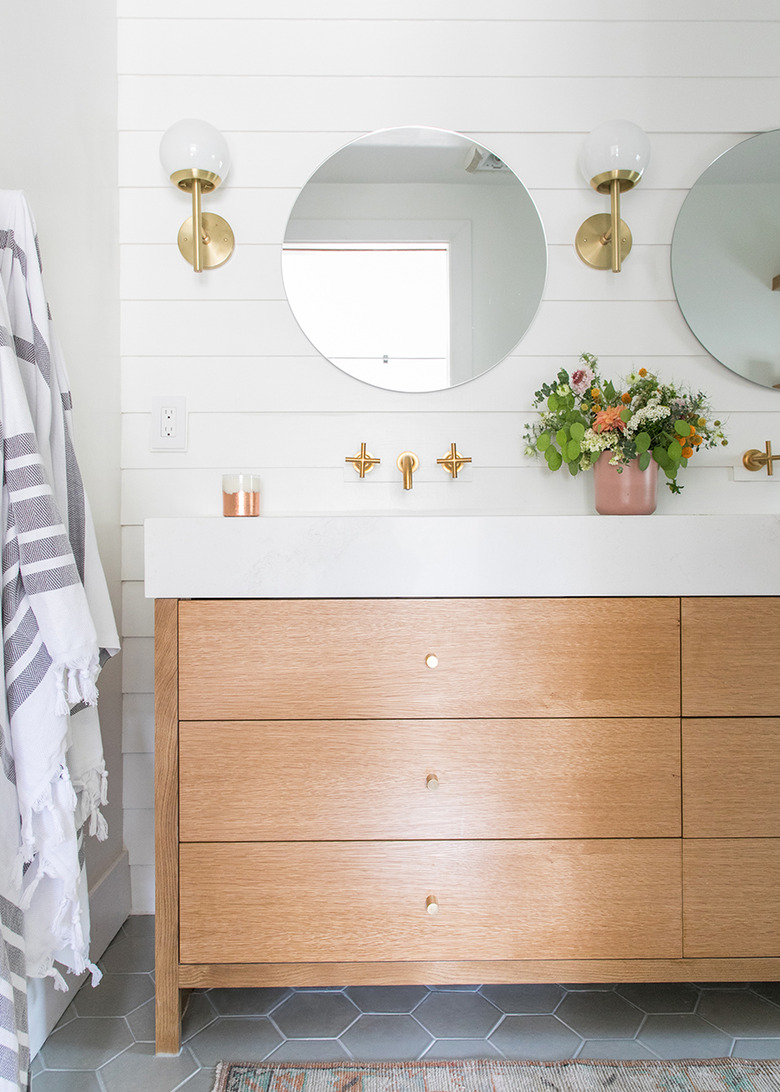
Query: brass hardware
[[602, 241], [432, 905], [454, 462], [407, 462], [363, 462], [594, 242], [755, 459], [432, 660], [431, 781], [197, 160]]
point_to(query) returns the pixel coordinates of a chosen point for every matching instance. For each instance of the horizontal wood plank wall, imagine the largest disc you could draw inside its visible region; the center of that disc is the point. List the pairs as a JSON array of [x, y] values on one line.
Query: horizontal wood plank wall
[[292, 84]]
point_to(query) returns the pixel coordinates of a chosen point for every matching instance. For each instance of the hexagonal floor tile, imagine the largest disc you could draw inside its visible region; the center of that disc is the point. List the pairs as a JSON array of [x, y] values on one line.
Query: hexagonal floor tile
[[683, 1035], [315, 1014], [451, 1050], [234, 1037], [309, 1050], [619, 1050], [115, 995], [535, 1039], [598, 1015], [769, 990], [756, 1048], [740, 1012], [377, 999], [660, 996], [386, 1038], [86, 1043], [139, 1067], [245, 1001], [520, 1000], [457, 1015], [55, 1080], [126, 954]]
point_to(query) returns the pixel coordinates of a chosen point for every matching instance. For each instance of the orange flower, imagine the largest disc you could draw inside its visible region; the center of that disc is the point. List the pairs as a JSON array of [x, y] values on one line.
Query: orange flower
[[609, 419], [643, 372], [626, 398], [693, 430], [681, 440], [696, 440], [687, 452]]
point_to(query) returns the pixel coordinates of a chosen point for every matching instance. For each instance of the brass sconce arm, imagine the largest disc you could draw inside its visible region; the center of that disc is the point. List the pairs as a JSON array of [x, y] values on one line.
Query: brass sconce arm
[[755, 459]]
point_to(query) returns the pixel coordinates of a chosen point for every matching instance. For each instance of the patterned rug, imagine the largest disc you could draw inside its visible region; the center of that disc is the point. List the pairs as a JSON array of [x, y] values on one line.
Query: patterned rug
[[718, 1075]]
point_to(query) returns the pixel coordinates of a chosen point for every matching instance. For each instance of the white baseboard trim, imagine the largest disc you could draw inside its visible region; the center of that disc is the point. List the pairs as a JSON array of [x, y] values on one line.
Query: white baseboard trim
[[109, 908]]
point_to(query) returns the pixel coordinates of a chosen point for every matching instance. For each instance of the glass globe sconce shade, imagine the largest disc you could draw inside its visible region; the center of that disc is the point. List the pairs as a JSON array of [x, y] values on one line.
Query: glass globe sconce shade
[[612, 160], [196, 158]]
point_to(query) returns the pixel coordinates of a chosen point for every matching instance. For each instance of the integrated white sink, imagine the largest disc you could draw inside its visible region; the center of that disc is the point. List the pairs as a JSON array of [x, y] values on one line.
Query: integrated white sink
[[406, 556]]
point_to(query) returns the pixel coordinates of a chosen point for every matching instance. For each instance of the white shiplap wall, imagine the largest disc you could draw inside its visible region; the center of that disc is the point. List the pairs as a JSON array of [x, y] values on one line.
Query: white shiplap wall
[[290, 81]]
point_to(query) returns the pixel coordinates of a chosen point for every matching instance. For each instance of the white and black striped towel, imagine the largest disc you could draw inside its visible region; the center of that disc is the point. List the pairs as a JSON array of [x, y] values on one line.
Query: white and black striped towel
[[58, 625]]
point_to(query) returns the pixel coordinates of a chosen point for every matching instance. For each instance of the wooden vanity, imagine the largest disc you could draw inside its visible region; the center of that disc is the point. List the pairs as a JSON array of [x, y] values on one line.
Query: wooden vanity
[[356, 791]]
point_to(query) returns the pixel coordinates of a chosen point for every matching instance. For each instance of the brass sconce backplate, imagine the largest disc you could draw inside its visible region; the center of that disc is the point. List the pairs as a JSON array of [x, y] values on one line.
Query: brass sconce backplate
[[594, 244], [217, 241]]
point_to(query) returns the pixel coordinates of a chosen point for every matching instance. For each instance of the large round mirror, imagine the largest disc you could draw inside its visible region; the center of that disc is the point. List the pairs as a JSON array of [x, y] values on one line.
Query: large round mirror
[[726, 259], [414, 259]]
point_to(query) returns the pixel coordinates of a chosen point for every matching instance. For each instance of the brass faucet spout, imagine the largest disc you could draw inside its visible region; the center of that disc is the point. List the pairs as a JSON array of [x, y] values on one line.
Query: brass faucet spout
[[407, 462]]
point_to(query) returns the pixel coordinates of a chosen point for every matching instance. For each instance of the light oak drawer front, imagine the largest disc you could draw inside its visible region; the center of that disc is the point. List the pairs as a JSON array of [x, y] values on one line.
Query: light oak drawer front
[[731, 777], [281, 780], [731, 648], [337, 901], [270, 659], [731, 895]]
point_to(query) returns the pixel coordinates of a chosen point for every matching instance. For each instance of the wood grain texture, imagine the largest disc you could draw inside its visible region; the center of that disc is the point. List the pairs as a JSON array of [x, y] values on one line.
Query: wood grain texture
[[205, 975], [335, 901], [306, 780], [731, 777], [167, 1008], [731, 648], [366, 658], [731, 897]]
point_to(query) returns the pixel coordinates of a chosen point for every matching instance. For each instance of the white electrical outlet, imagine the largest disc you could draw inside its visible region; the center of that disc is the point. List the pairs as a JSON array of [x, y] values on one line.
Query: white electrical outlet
[[169, 424]]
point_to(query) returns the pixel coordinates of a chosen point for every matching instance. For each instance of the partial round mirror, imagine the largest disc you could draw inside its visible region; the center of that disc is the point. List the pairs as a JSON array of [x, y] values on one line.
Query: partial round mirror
[[726, 259], [414, 259]]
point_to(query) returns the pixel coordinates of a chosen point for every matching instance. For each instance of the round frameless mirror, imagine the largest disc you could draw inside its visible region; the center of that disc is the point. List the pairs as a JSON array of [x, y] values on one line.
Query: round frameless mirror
[[726, 259], [414, 259]]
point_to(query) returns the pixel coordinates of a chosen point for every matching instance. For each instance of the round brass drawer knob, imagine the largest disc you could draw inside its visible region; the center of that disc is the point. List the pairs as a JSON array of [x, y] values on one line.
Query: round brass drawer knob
[[432, 904], [431, 660], [431, 781]]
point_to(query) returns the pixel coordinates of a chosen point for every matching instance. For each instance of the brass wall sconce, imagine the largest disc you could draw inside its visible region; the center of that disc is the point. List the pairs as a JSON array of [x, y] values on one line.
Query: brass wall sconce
[[363, 462], [454, 462], [612, 160], [755, 459], [196, 158]]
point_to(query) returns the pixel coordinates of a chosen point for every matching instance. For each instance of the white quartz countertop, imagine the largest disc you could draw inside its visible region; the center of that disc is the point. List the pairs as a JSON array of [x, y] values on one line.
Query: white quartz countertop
[[432, 556]]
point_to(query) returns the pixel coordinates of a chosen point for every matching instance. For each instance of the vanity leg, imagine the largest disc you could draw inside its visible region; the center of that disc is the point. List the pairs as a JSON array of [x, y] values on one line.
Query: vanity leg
[[166, 834]]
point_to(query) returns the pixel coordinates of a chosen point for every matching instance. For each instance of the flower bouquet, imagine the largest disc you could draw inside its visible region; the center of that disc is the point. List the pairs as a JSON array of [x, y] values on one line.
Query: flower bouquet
[[642, 419]]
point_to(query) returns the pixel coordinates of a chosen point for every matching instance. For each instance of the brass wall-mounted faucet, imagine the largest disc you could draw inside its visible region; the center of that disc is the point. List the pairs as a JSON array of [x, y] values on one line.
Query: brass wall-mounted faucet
[[407, 462]]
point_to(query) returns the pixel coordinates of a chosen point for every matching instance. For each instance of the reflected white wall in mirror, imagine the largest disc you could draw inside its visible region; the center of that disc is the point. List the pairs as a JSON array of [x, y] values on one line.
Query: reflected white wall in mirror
[[417, 190], [725, 255]]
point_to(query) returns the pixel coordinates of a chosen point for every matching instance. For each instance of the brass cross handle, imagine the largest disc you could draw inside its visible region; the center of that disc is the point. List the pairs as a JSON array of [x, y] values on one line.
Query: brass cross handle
[[755, 459], [363, 461], [454, 461]]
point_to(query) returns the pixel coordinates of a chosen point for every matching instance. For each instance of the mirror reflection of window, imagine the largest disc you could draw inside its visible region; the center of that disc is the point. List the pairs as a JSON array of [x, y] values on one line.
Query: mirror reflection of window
[[399, 311]]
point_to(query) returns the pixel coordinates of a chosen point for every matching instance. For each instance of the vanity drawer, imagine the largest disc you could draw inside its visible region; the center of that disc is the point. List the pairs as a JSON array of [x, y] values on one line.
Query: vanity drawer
[[731, 777], [352, 901], [731, 895], [429, 779], [309, 659], [731, 647]]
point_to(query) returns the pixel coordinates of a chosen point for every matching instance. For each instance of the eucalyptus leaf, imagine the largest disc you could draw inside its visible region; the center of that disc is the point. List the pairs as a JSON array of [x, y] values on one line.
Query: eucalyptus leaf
[[552, 402], [573, 451], [554, 458], [642, 441], [674, 451], [644, 460], [682, 428], [577, 430], [562, 437], [544, 441]]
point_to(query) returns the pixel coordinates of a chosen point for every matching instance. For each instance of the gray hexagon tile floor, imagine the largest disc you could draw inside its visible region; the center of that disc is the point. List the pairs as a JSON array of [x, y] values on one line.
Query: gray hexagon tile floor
[[105, 1040]]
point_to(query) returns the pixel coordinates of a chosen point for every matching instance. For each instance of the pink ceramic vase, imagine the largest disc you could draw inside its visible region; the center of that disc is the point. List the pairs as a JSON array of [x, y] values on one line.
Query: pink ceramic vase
[[625, 492]]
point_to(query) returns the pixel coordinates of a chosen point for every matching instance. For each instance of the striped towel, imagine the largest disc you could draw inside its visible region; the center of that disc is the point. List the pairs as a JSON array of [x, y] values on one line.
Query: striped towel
[[58, 626]]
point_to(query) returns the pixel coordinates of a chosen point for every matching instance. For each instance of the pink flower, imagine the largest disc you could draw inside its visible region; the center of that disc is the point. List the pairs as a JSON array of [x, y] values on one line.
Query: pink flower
[[581, 380]]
